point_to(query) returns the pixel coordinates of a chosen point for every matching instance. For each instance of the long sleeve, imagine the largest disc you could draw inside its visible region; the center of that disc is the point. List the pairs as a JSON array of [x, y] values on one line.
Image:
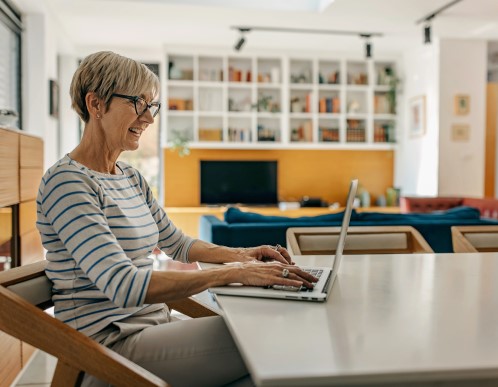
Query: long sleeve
[[172, 240], [98, 231]]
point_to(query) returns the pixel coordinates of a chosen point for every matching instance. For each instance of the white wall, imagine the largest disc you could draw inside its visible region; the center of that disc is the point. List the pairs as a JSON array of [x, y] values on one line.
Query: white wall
[[433, 164], [68, 119], [43, 40], [463, 66], [416, 167]]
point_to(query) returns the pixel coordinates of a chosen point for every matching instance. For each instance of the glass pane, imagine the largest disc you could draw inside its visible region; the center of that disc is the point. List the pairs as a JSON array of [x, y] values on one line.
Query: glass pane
[[9, 70]]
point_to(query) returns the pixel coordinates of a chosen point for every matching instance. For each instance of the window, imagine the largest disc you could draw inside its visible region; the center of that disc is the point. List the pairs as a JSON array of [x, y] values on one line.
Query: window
[[10, 58]]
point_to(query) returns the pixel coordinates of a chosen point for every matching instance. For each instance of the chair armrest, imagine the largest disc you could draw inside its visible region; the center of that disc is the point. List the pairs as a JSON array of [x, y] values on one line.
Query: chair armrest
[[192, 308], [77, 352], [206, 225], [460, 243]]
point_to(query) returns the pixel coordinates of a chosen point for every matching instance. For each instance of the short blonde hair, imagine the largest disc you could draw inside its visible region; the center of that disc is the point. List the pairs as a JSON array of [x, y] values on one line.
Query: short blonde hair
[[105, 73]]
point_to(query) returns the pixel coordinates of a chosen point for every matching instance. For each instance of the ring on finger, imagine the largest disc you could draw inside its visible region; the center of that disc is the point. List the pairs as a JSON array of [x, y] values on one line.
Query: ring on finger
[[277, 247], [285, 273]]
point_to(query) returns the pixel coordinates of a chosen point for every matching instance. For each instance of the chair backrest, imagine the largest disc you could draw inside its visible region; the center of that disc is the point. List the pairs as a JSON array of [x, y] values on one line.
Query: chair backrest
[[360, 240], [24, 294], [472, 239]]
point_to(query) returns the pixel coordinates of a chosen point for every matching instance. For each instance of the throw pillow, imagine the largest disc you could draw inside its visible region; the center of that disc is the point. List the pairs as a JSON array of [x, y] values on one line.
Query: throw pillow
[[234, 215]]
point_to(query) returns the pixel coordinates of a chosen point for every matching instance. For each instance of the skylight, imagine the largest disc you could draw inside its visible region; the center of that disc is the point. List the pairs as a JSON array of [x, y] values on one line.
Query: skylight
[[275, 5]]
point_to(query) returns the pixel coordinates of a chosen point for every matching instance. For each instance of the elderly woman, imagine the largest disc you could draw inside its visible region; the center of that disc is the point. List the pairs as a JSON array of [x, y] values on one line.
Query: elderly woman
[[99, 223]]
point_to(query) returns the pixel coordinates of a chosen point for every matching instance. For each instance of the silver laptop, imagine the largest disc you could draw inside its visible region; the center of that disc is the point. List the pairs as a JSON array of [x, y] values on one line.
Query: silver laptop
[[327, 275]]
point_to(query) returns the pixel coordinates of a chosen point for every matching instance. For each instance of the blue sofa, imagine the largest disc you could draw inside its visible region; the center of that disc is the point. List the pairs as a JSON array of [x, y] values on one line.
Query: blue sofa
[[246, 229]]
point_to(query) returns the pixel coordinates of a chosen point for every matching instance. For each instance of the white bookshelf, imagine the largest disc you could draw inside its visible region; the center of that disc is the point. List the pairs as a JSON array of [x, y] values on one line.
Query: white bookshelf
[[258, 102]]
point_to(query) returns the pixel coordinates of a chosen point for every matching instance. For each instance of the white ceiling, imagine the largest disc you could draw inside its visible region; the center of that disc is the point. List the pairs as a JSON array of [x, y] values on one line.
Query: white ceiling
[[155, 23]]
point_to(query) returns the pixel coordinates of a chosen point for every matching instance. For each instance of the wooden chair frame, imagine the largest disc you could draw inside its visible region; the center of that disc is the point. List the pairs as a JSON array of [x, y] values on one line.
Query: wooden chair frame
[[22, 316], [461, 244], [415, 242]]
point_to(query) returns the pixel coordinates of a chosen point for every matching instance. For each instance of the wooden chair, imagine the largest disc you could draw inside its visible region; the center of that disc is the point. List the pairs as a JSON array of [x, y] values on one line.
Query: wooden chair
[[473, 239], [360, 240], [25, 292]]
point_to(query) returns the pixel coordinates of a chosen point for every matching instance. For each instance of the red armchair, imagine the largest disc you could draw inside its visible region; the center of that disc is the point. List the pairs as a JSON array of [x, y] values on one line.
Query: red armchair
[[488, 207]]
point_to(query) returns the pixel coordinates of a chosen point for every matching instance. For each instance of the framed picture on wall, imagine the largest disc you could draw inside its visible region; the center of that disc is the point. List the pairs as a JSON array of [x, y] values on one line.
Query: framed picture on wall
[[54, 98], [462, 104], [416, 116]]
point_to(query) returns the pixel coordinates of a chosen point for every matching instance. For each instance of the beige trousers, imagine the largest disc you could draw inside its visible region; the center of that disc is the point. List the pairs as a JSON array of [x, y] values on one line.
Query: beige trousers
[[195, 352]]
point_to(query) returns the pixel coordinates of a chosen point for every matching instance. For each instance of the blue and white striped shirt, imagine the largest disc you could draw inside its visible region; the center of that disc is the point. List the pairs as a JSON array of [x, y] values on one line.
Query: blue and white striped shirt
[[98, 230]]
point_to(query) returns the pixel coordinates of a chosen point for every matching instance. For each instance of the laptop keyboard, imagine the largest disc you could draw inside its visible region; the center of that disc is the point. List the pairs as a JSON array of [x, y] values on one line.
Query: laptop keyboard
[[315, 272]]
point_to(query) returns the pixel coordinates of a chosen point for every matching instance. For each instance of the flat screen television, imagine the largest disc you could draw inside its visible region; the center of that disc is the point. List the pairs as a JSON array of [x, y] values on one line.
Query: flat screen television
[[239, 182]]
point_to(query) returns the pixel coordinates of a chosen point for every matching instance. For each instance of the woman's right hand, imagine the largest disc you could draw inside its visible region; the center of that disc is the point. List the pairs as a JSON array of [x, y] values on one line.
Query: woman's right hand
[[269, 274]]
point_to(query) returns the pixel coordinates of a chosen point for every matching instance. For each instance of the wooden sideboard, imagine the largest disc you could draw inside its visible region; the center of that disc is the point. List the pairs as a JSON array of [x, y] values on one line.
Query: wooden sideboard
[[21, 169], [187, 218]]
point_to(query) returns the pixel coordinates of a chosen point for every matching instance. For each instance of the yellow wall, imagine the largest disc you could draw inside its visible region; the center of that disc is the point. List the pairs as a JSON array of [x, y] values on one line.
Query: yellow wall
[[320, 173]]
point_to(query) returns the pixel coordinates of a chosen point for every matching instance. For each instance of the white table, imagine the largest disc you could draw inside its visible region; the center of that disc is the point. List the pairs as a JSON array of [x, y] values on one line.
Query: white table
[[404, 318]]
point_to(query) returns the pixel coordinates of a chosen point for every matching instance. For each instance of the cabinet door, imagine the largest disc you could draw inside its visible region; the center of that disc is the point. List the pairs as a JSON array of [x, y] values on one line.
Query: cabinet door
[[9, 168], [31, 166], [31, 246]]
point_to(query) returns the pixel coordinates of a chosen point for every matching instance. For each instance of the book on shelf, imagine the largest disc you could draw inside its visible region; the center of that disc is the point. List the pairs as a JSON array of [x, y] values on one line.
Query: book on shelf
[[355, 131], [329, 105], [336, 105], [333, 78], [266, 134], [358, 79], [179, 104], [303, 133], [381, 104], [210, 134], [383, 133], [238, 75], [239, 135], [308, 103], [329, 134], [212, 75]]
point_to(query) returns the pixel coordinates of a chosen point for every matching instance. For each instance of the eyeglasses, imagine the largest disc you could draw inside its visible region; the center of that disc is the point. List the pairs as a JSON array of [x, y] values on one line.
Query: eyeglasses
[[141, 104]]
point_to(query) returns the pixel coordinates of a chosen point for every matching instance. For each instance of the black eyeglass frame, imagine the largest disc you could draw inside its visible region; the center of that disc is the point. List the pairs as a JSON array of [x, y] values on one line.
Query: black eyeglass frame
[[135, 99]]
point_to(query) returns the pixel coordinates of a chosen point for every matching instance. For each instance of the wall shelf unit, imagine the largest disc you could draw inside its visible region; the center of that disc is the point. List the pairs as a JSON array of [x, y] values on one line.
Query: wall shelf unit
[[257, 101]]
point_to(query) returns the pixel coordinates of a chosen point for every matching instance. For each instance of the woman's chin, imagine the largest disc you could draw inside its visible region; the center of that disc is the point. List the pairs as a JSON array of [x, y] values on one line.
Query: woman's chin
[[133, 145]]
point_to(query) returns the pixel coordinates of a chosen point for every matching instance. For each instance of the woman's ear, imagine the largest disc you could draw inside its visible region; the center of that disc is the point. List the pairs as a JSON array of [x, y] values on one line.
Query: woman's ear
[[94, 105]]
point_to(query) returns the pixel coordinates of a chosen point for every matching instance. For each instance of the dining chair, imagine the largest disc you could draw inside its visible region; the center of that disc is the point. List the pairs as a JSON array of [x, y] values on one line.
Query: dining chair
[[25, 299], [360, 240], [473, 239]]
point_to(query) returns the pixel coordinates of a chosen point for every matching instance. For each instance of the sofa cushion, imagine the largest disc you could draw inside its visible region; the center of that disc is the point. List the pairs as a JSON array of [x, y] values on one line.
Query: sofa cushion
[[234, 215], [487, 206], [451, 214], [428, 204]]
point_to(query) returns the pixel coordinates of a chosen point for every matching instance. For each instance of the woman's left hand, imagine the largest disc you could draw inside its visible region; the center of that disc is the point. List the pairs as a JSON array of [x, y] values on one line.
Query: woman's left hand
[[266, 253]]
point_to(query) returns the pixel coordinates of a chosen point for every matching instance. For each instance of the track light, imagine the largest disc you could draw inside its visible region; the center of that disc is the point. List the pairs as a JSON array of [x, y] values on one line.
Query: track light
[[427, 33], [366, 35], [368, 50], [240, 43], [428, 19], [368, 45], [242, 40]]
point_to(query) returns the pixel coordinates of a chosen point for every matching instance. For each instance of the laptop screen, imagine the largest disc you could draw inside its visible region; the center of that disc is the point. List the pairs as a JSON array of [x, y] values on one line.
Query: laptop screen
[[345, 223]]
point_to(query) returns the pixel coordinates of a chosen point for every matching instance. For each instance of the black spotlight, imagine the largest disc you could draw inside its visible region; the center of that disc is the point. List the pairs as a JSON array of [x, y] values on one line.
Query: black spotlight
[[240, 43], [242, 40], [427, 33], [368, 50]]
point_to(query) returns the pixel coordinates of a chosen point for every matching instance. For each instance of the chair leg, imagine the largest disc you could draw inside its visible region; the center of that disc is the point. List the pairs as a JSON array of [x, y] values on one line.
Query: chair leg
[[66, 376]]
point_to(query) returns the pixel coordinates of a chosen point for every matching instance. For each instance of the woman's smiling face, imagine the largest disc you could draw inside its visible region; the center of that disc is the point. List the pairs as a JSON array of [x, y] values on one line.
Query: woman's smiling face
[[122, 126]]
